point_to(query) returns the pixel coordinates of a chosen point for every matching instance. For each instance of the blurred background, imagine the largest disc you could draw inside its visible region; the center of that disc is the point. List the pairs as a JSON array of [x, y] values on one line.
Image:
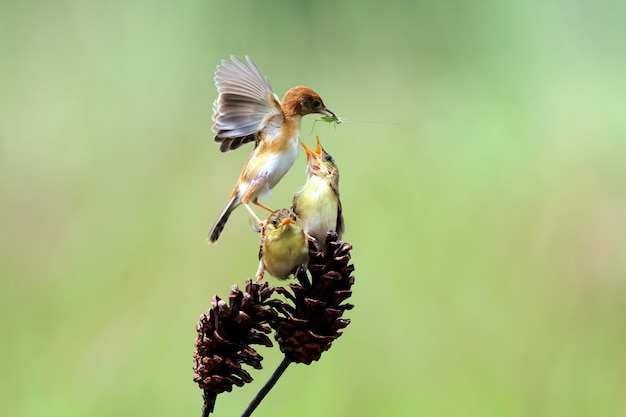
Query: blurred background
[[483, 184]]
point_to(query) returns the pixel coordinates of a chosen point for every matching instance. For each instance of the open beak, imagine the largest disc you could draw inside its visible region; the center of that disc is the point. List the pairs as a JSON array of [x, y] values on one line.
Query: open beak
[[318, 146], [285, 221], [310, 153]]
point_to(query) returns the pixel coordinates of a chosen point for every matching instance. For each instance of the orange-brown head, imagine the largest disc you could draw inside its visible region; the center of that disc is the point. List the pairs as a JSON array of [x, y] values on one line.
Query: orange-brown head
[[300, 101]]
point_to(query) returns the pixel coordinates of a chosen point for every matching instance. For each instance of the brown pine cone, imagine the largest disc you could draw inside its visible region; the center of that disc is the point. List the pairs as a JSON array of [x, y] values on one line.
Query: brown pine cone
[[225, 334], [310, 320]]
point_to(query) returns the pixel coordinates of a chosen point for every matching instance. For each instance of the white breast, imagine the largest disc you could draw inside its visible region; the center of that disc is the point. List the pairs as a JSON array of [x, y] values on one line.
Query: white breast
[[275, 166], [283, 162]]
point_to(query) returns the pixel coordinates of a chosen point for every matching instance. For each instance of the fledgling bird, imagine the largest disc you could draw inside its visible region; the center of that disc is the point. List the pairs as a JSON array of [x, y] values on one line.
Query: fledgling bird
[[317, 203], [284, 245], [247, 110]]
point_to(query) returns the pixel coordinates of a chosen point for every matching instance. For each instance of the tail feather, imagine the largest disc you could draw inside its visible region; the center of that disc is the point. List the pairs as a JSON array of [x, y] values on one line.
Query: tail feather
[[217, 228]]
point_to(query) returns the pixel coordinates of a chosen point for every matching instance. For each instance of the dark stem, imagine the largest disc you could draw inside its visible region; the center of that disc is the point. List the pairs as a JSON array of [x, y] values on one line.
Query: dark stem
[[209, 403], [267, 387]]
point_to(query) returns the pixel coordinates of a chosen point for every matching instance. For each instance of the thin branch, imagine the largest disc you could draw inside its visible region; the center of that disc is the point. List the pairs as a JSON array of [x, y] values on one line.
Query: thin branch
[[267, 387], [209, 403]]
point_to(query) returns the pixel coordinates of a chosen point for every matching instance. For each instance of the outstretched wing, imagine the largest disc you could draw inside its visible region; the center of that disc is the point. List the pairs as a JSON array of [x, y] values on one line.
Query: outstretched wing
[[245, 104]]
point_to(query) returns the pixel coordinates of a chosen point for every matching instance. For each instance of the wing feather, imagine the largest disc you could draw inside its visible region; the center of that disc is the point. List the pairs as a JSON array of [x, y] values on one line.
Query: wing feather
[[245, 104]]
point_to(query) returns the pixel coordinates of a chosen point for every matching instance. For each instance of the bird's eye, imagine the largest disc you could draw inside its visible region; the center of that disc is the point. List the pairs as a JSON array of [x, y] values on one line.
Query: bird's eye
[[328, 158], [275, 222], [316, 104]]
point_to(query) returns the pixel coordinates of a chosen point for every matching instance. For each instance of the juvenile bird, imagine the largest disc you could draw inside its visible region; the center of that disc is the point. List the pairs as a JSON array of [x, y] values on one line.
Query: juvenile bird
[[317, 203], [283, 245], [247, 110]]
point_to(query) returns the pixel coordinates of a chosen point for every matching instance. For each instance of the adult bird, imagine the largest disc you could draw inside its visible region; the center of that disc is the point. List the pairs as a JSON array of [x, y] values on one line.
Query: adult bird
[[247, 110], [317, 203], [283, 245]]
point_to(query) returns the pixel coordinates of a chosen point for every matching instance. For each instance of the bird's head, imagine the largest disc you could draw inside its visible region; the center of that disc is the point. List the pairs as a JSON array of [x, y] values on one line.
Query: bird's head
[[300, 101], [319, 162], [281, 221]]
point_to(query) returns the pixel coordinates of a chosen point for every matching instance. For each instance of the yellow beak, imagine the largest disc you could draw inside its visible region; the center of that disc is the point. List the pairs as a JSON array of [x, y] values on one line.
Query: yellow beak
[[311, 153], [285, 221], [318, 146]]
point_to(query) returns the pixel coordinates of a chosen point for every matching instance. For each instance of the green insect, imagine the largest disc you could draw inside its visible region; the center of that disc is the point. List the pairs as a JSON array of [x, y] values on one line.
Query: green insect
[[328, 119]]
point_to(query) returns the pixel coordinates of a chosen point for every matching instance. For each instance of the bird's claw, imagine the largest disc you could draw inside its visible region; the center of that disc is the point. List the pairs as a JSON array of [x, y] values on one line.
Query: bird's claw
[[260, 272]]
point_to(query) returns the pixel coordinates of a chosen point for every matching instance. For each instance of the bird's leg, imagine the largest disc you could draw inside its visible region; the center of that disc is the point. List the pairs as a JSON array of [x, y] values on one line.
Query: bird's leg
[[258, 203], [260, 272], [261, 222]]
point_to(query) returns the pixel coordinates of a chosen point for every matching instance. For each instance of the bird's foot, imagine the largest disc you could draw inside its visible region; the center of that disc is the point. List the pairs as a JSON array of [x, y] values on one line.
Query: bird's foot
[[260, 274]]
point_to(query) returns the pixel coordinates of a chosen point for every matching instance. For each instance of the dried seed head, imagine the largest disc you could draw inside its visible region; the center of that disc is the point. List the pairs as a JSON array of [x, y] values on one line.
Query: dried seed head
[[225, 335], [310, 319]]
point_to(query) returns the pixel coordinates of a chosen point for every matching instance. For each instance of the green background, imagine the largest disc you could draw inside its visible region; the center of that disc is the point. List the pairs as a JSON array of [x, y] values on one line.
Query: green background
[[483, 179]]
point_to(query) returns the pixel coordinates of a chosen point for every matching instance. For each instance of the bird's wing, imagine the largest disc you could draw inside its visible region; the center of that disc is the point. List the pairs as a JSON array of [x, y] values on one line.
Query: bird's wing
[[341, 227], [294, 202], [245, 105]]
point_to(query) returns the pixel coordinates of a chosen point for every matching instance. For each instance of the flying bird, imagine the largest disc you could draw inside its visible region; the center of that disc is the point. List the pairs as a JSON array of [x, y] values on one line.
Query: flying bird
[[247, 110]]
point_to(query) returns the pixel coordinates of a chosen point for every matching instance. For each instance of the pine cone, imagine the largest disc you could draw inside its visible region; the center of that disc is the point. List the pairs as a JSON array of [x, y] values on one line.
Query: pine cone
[[310, 321], [225, 334]]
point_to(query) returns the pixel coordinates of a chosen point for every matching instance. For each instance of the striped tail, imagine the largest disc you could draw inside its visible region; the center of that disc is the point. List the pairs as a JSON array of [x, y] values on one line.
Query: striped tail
[[215, 232]]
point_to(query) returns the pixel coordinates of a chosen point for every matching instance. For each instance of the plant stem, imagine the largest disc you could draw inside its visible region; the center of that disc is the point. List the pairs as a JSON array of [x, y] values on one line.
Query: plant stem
[[267, 387], [209, 403]]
